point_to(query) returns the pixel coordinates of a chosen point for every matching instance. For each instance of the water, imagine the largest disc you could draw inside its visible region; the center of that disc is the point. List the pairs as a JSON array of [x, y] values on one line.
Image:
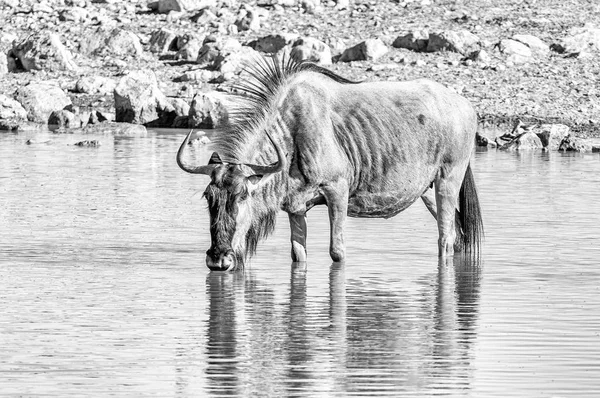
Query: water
[[104, 291]]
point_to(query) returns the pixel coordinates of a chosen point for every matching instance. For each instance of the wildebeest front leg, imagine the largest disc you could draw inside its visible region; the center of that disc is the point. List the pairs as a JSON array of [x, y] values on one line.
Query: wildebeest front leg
[[428, 198], [336, 195], [299, 231]]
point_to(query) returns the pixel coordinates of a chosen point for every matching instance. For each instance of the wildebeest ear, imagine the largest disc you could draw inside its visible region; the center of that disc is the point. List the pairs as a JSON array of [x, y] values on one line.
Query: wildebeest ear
[[255, 179], [215, 159]]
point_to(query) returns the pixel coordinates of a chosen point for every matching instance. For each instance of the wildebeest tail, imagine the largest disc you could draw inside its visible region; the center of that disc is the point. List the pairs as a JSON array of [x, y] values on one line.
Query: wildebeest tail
[[469, 214]]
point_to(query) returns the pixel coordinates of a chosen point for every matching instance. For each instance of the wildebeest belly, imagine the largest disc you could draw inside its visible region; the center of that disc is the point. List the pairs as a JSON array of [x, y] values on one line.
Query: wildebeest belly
[[380, 205]]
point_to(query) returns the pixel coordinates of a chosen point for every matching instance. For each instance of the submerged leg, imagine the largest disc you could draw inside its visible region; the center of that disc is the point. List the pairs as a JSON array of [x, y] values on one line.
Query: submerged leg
[[336, 195], [299, 231], [447, 189]]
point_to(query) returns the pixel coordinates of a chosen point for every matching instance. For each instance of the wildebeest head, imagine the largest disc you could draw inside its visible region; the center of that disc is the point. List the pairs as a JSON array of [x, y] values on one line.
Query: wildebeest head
[[238, 217]]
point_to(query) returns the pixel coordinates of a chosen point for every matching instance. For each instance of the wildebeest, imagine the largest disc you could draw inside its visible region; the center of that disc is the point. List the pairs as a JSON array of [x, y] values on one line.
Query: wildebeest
[[303, 136]]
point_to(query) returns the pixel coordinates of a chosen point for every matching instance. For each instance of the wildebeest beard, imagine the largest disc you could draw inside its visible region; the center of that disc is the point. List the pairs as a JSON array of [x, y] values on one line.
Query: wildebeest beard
[[223, 210]]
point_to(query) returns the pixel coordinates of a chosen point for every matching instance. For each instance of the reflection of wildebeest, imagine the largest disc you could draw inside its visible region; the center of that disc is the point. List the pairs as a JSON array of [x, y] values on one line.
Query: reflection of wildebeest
[[363, 149]]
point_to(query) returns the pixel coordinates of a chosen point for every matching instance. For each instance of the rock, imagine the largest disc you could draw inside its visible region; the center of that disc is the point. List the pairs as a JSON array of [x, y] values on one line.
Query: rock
[[213, 53], [455, 41], [100, 117], [310, 6], [582, 40], [207, 111], [342, 4], [64, 119], [95, 85], [524, 141], [41, 99], [517, 52], [416, 40], [189, 47], [483, 141], [88, 143], [42, 51], [535, 44], [272, 44], [138, 100], [204, 17], [480, 56], [309, 49], [11, 109], [117, 42], [552, 135], [166, 6], [162, 40], [574, 144], [249, 18], [73, 14], [202, 75], [123, 42], [234, 61], [368, 50]]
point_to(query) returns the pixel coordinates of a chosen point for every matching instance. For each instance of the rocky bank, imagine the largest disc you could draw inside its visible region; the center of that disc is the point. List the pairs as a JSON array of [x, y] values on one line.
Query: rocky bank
[[530, 67]]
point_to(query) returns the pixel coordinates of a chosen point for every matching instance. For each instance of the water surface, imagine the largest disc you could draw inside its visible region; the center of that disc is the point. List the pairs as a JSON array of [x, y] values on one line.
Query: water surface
[[104, 290]]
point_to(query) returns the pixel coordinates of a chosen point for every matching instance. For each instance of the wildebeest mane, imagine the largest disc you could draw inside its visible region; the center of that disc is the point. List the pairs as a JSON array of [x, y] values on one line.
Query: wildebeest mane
[[252, 97]]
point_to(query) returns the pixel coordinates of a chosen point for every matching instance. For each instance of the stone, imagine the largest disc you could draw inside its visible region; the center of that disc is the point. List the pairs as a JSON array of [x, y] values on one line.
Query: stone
[[95, 85], [233, 62], [310, 6], [480, 56], [162, 40], [368, 50], [166, 6], [42, 51], [88, 143], [189, 47], [138, 100], [272, 44], [41, 99], [552, 135], [248, 19], [574, 144], [204, 17], [584, 39], [116, 42], [456, 41], [342, 4], [310, 49], [64, 119], [73, 14], [11, 109], [524, 141], [535, 44], [416, 40], [517, 52], [207, 111]]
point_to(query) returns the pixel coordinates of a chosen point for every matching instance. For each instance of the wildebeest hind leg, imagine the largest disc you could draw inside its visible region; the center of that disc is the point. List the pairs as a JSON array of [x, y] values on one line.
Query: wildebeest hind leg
[[447, 188], [428, 198], [299, 231], [336, 195]]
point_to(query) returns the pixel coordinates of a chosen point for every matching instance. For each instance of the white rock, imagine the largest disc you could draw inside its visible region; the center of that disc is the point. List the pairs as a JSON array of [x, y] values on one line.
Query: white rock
[[41, 99]]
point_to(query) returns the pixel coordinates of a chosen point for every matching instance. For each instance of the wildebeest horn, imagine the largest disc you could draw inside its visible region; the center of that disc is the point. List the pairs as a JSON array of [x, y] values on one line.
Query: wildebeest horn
[[207, 169], [274, 167]]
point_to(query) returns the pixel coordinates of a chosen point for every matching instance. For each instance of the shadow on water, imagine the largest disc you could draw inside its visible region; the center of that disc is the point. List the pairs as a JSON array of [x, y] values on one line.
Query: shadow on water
[[361, 337]]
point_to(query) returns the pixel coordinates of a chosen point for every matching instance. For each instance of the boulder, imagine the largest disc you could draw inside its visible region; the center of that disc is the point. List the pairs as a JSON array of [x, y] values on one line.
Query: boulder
[[117, 42], [73, 14], [524, 141], [272, 44], [88, 143], [517, 52], [207, 111], [250, 18], [310, 6], [189, 46], [585, 39], [310, 49], [368, 50], [535, 44], [41, 99], [138, 100], [65, 119], [162, 40], [233, 62], [574, 144], [166, 6], [11, 109], [416, 40], [42, 51], [456, 41], [552, 135], [95, 85], [213, 51]]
